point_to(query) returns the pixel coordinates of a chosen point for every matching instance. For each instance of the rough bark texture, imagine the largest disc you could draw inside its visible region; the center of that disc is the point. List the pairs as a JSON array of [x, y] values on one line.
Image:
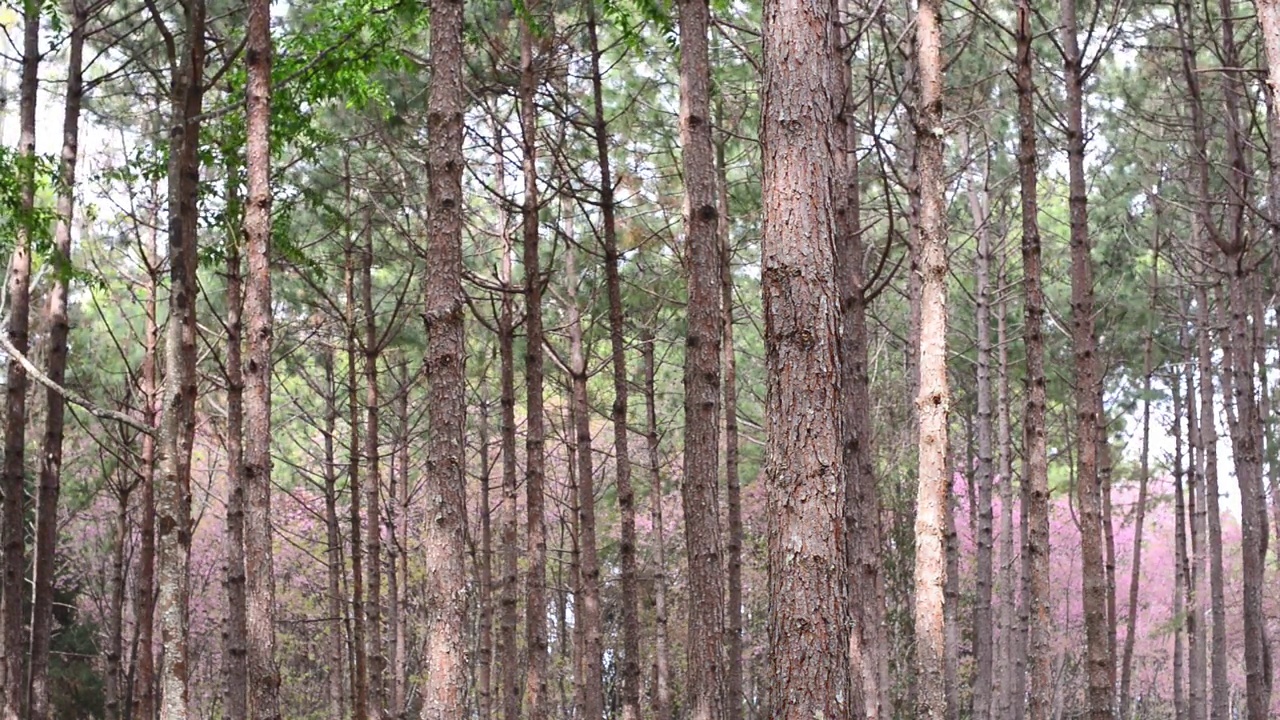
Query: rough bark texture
[[144, 680], [868, 649], [661, 703], [373, 488], [484, 576], [178, 396], [113, 692], [1007, 653], [337, 705], [1101, 693], [1198, 690], [535, 680], [1035, 480], [705, 654], [13, 688], [933, 401], [1180, 555], [46, 539], [618, 412], [983, 641], [507, 647], [264, 676], [804, 473], [446, 655], [234, 651], [359, 649]]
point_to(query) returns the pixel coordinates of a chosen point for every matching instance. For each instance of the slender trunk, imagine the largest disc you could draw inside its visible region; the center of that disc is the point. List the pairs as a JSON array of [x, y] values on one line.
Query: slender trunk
[[661, 653], [359, 665], [1035, 622], [12, 690], [144, 682], [1007, 654], [951, 595], [933, 399], [983, 643], [1101, 694], [234, 646], [177, 420], [1144, 475], [705, 653], [868, 654], [535, 680], [401, 601], [1197, 639], [804, 473], [1180, 558], [113, 692], [337, 705], [618, 351], [484, 572], [373, 489], [507, 648], [445, 656], [46, 539]]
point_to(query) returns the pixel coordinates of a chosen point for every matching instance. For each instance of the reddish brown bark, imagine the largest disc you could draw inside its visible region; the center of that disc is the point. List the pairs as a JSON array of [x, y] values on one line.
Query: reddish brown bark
[[804, 473], [235, 635], [661, 693]]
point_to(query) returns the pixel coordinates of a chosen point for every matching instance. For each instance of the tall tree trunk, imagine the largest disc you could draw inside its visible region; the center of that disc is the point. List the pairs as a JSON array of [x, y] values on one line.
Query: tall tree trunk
[[661, 694], [177, 420], [1180, 558], [446, 653], [400, 684], [1197, 640], [507, 647], [705, 685], [868, 655], [1007, 654], [113, 692], [1035, 478], [983, 643], [46, 539], [1144, 474], [804, 473], [337, 705], [359, 665], [1101, 694], [484, 573], [144, 611], [618, 351], [235, 641], [13, 689], [535, 685], [933, 401], [373, 488]]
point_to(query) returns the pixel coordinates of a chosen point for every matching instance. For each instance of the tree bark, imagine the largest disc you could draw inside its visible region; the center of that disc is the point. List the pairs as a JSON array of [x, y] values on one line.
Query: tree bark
[[144, 683], [1101, 693], [705, 653], [446, 655], [933, 401], [235, 636], [1007, 655], [868, 655], [113, 692], [661, 694], [618, 414], [1180, 557], [373, 488], [1197, 650], [337, 705], [359, 649], [1035, 480], [804, 473], [13, 689], [177, 419], [46, 536], [484, 578], [535, 680]]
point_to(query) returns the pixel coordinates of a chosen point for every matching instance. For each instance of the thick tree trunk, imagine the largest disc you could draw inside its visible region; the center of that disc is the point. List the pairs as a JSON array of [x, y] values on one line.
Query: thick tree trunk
[[1035, 481], [1101, 693], [804, 473], [933, 401], [535, 680], [13, 688], [618, 414], [446, 655], [235, 635], [661, 693], [337, 704], [178, 398], [46, 539], [868, 654], [705, 652]]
